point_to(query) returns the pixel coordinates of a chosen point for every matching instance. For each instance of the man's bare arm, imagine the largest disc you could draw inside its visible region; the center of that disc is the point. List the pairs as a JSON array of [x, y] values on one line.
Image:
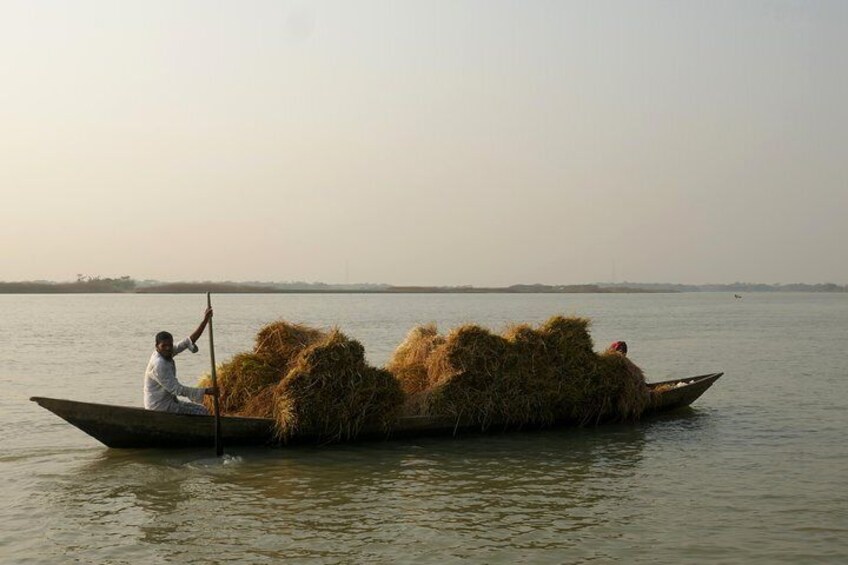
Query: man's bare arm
[[199, 331]]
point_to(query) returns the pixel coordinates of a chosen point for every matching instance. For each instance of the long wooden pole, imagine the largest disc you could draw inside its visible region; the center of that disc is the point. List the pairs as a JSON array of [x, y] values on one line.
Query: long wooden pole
[[219, 446]]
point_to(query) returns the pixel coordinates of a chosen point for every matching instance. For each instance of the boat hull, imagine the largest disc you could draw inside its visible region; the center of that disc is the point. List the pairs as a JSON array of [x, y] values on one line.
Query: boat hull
[[681, 396], [128, 427]]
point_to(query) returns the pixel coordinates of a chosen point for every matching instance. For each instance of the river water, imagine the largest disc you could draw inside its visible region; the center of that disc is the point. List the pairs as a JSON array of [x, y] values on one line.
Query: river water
[[756, 471]]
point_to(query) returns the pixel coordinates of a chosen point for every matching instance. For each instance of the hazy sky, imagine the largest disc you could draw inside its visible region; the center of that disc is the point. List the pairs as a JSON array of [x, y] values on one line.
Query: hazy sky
[[434, 142]]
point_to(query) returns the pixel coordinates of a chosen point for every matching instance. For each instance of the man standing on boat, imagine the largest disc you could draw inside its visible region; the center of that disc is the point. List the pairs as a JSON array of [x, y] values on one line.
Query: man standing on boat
[[161, 387]]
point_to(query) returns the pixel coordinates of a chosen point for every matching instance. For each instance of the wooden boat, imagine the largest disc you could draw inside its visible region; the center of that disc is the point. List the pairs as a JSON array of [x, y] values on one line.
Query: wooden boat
[[128, 427]]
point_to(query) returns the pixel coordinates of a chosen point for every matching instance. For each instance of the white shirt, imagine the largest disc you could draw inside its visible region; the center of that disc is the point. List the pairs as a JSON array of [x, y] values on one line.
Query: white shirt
[[161, 387]]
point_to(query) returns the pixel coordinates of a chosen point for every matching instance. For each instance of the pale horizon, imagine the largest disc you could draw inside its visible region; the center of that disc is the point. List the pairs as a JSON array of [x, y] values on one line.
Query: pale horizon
[[483, 143]]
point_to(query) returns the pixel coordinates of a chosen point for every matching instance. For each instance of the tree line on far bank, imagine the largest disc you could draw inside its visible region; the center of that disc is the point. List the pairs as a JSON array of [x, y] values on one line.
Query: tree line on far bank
[[83, 285], [125, 284]]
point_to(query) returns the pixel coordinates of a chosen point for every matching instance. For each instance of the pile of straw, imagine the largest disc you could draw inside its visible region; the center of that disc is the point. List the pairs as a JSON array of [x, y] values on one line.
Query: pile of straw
[[569, 361], [281, 342], [240, 380], [243, 379], [332, 391], [307, 381], [409, 366], [535, 391], [527, 376], [318, 383], [409, 362], [621, 393], [466, 375]]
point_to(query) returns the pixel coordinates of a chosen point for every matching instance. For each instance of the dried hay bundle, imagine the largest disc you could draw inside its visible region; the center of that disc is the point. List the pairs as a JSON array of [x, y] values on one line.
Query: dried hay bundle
[[261, 405], [634, 395], [570, 359], [409, 361], [618, 390], [309, 380], [567, 341], [239, 381], [527, 376], [241, 378], [527, 342], [409, 366], [243, 381], [333, 392], [281, 342], [466, 376], [529, 383]]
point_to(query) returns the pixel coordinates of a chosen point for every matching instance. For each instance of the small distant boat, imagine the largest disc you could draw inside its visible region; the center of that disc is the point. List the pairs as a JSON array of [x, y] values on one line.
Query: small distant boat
[[127, 427]]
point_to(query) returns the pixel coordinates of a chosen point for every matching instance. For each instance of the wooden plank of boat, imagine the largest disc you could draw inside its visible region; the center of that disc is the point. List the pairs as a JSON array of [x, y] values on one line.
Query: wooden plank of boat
[[128, 427]]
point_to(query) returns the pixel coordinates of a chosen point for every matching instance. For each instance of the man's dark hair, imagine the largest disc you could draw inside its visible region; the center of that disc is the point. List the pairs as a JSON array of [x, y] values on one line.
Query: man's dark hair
[[163, 336]]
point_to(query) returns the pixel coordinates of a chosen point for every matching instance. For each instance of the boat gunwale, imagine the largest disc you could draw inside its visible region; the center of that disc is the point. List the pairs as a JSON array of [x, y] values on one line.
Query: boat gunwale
[[691, 381]]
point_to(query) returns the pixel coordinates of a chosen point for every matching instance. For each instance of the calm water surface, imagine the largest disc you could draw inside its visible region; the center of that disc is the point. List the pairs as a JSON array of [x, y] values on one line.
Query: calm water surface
[[756, 472]]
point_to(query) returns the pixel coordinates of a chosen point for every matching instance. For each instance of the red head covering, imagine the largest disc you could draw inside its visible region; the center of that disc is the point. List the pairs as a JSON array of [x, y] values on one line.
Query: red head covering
[[619, 346]]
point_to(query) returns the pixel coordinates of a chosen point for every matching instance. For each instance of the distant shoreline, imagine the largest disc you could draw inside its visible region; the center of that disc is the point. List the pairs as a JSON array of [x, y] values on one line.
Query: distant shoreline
[[224, 288], [195, 288], [126, 285]]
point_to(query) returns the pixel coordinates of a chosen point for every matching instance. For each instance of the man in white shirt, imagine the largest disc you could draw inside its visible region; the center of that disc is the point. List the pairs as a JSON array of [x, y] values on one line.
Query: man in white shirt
[[161, 387]]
